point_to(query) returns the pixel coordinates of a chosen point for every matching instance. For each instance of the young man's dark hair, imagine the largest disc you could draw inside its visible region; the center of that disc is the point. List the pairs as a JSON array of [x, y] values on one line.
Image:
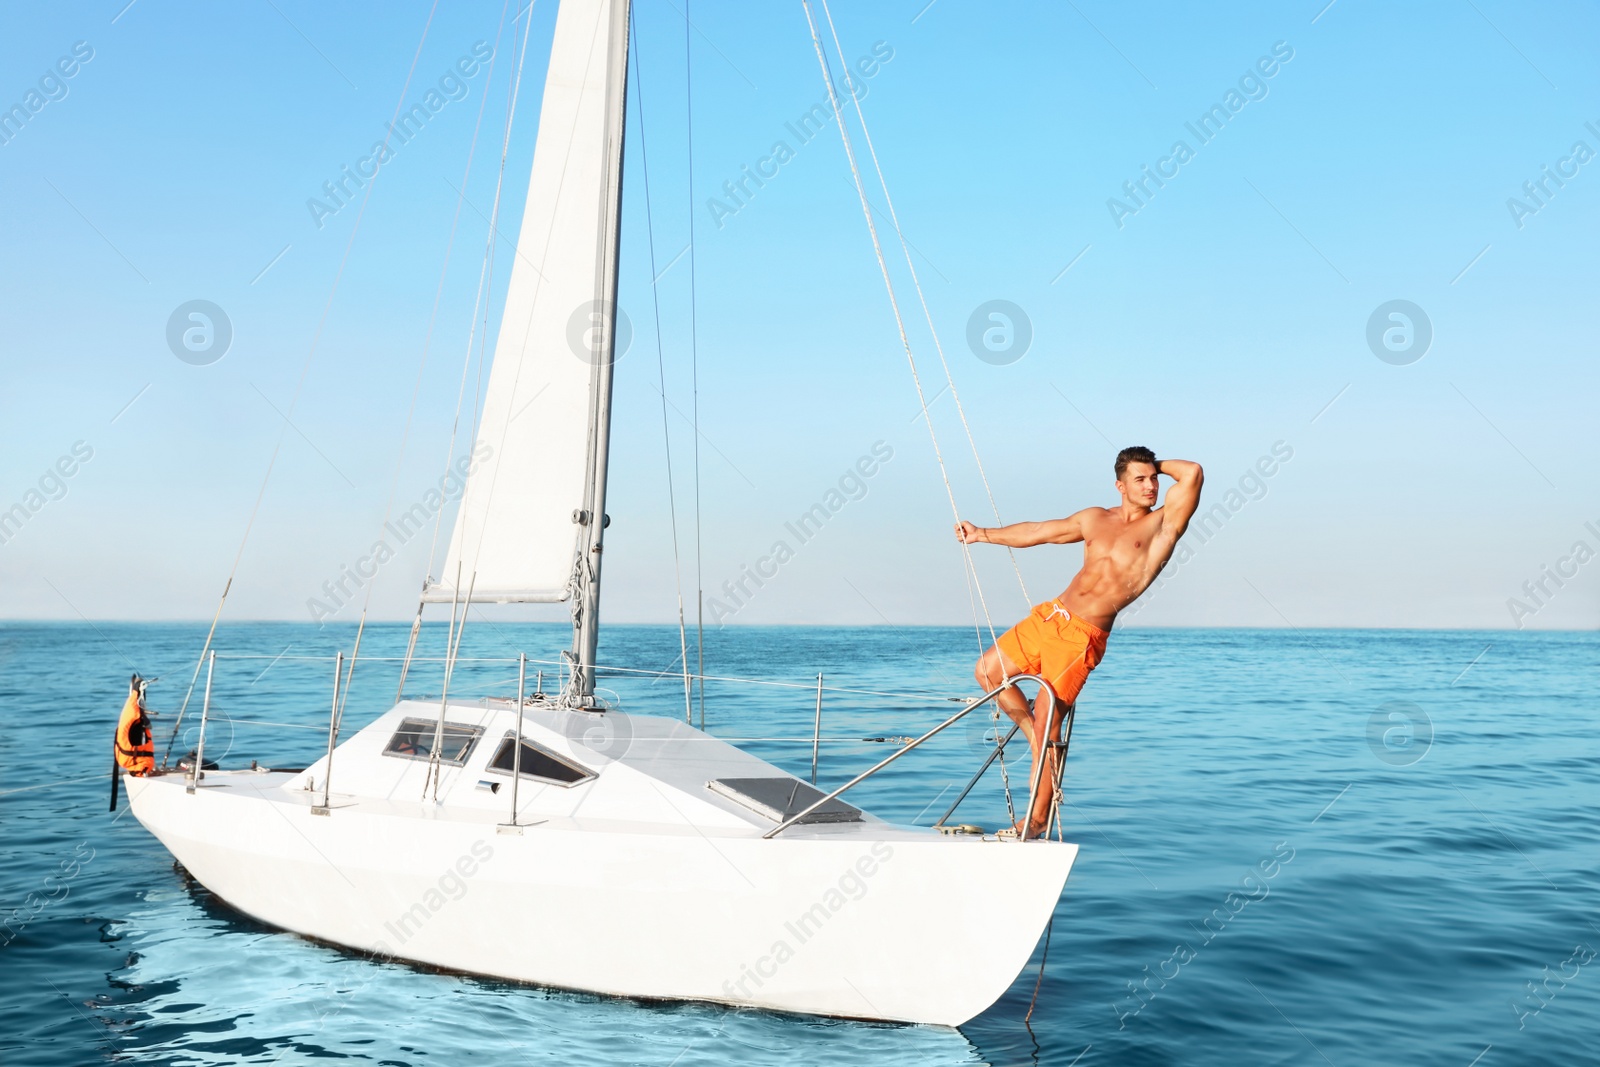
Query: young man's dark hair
[[1135, 454]]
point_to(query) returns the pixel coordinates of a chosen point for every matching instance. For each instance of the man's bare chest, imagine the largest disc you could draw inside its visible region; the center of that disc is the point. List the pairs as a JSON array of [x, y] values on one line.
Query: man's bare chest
[[1121, 544]]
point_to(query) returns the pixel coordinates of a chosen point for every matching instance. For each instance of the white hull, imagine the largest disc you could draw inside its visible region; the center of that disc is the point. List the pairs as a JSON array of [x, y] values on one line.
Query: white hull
[[638, 882]]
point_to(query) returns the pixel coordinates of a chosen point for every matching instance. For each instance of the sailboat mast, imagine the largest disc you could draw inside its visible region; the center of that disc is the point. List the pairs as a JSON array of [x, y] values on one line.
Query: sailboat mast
[[602, 337], [531, 525]]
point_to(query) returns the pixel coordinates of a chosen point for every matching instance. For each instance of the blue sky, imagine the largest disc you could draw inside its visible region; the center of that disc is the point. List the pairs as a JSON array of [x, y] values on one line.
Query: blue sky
[[1223, 318]]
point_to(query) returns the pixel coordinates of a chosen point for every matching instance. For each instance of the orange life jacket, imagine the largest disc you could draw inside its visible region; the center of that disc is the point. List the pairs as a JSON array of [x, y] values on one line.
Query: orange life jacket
[[135, 748]]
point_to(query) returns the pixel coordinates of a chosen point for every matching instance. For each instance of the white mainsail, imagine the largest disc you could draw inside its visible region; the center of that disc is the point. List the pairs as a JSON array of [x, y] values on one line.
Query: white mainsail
[[522, 532]]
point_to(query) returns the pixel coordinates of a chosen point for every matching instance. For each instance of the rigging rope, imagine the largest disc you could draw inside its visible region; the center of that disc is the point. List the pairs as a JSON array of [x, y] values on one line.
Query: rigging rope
[[922, 299], [970, 570], [974, 584], [661, 371], [294, 400], [894, 220]]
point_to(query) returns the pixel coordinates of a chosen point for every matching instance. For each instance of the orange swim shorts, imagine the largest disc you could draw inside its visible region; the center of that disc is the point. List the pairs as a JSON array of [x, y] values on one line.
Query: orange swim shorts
[[1057, 646]]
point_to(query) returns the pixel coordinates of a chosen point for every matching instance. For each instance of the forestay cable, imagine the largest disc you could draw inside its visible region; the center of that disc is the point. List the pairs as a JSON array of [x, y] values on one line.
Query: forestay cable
[[661, 371]]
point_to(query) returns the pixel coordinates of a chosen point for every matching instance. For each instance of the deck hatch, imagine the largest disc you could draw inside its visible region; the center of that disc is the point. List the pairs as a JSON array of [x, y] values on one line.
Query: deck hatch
[[782, 798], [538, 763], [414, 740]]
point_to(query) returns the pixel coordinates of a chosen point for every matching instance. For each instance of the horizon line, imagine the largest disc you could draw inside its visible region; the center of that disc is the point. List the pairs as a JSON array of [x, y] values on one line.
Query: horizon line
[[19, 620]]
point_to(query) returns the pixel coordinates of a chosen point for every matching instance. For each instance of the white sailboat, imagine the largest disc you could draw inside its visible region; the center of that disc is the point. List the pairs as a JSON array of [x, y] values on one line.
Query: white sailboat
[[512, 837]]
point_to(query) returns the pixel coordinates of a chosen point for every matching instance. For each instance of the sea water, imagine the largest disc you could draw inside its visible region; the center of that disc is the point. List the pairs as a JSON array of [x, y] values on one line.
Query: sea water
[[1340, 847]]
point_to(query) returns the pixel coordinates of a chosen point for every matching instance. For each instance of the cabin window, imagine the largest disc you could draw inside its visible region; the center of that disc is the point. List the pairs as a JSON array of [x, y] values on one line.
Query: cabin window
[[414, 740], [538, 763]]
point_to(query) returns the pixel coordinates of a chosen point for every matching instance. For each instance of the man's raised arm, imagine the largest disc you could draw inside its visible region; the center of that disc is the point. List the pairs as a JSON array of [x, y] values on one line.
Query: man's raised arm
[[1026, 534], [1183, 498]]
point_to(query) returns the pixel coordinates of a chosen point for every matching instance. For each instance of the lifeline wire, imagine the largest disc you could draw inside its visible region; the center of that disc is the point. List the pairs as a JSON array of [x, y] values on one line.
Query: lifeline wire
[[809, 687]]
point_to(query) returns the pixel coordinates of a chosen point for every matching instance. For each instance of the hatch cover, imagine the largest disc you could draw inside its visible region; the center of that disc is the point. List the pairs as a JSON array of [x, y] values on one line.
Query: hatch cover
[[781, 798]]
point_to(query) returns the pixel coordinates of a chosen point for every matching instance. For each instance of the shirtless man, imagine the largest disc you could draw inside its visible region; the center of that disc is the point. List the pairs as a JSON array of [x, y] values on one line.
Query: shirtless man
[[1062, 640]]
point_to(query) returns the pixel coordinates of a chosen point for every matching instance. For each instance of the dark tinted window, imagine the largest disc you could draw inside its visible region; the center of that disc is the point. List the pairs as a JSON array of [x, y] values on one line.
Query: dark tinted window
[[414, 740], [537, 763]]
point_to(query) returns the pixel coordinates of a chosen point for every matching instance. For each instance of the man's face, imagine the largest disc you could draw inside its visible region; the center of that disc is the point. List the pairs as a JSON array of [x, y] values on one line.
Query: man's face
[[1139, 484]]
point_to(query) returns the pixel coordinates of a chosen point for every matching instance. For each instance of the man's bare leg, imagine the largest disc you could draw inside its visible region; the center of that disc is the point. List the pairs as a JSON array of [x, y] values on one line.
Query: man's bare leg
[[1039, 817], [994, 668]]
